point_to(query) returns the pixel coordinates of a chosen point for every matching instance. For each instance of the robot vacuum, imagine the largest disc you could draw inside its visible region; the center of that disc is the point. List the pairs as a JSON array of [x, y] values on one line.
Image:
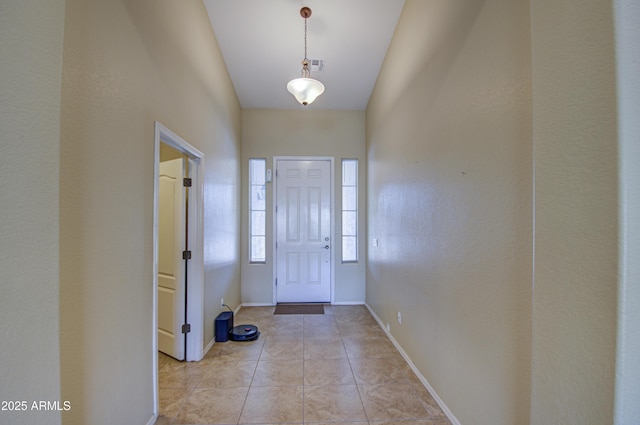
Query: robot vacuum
[[244, 333]]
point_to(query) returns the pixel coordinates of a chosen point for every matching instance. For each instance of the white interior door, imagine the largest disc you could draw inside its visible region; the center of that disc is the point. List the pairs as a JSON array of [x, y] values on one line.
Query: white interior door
[[171, 266], [303, 231]]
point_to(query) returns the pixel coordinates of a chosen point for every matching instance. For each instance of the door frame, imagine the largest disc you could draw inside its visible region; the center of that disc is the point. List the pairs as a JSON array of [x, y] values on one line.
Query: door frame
[[332, 200], [195, 266]]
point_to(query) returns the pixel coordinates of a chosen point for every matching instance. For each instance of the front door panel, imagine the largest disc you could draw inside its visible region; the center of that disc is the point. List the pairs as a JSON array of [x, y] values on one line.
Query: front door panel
[[303, 231]]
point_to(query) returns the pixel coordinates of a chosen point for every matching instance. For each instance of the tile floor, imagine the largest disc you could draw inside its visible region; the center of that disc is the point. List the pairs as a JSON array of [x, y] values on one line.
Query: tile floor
[[331, 368]]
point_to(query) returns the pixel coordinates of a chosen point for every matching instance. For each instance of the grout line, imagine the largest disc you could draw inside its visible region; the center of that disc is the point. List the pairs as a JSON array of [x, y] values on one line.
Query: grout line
[[355, 381], [246, 397]]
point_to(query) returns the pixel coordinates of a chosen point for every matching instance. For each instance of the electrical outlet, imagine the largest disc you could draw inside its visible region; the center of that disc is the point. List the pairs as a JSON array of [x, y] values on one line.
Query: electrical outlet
[[388, 327], [399, 318], [221, 302]]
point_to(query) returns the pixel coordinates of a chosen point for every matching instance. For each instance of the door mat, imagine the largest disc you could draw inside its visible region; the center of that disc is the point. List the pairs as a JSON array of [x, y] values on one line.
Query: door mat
[[299, 309]]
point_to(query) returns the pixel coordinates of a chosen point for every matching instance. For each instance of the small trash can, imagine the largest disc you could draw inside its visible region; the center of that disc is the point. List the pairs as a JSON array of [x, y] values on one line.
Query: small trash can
[[223, 324]]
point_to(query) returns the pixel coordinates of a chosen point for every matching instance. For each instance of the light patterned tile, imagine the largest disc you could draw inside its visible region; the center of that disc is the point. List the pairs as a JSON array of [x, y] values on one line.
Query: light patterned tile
[[179, 378], [319, 320], [351, 331], [266, 311], [321, 332], [213, 406], [287, 321], [324, 349], [328, 372], [333, 403], [229, 374], [391, 401], [276, 349], [273, 405], [163, 420], [432, 421], [333, 369], [356, 320], [164, 360], [339, 423], [350, 310], [172, 400], [277, 373], [284, 334], [427, 400], [370, 348], [380, 370]]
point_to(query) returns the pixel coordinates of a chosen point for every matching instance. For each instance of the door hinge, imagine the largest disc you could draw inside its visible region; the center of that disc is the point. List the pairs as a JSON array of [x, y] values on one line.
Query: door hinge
[[186, 182], [186, 255], [276, 281], [186, 328]]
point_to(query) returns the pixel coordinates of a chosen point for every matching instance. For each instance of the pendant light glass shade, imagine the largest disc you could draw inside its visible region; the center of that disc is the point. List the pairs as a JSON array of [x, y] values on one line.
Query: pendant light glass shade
[[305, 89]]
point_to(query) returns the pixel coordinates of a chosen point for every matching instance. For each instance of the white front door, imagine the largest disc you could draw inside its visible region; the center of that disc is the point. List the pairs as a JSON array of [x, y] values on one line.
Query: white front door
[[303, 230], [171, 266]]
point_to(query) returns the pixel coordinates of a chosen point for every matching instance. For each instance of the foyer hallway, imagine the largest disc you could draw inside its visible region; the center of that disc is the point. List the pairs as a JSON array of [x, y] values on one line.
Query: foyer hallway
[[332, 368]]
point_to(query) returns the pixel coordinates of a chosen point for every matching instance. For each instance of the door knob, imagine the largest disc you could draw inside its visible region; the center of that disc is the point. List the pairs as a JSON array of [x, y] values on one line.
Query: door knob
[[326, 247]]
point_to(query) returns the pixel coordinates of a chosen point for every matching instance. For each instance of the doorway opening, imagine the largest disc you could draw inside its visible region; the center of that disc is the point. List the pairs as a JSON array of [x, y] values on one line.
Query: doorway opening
[[173, 249], [189, 275]]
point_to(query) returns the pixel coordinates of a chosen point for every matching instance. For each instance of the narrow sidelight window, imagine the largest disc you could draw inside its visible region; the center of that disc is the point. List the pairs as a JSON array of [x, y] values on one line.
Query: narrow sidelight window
[[257, 211], [349, 210]]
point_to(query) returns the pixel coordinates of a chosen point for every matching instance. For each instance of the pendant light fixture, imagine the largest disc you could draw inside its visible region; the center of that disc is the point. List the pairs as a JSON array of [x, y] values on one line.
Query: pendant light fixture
[[305, 89]]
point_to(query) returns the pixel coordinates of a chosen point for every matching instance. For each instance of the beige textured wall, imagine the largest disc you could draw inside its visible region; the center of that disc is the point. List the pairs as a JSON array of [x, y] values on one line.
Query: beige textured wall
[[269, 133], [128, 63], [576, 212], [450, 201], [31, 51], [167, 153]]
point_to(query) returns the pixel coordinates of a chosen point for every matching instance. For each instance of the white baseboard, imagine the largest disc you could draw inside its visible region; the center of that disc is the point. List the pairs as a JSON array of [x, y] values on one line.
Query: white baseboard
[[348, 303], [256, 305], [436, 397], [208, 347], [153, 420]]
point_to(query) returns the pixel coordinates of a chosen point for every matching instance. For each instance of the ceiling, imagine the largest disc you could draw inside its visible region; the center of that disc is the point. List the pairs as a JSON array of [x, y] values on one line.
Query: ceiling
[[262, 42]]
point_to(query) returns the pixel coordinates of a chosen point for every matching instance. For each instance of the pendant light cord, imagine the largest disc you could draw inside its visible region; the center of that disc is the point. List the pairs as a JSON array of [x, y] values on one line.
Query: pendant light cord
[[305, 89], [305, 38]]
